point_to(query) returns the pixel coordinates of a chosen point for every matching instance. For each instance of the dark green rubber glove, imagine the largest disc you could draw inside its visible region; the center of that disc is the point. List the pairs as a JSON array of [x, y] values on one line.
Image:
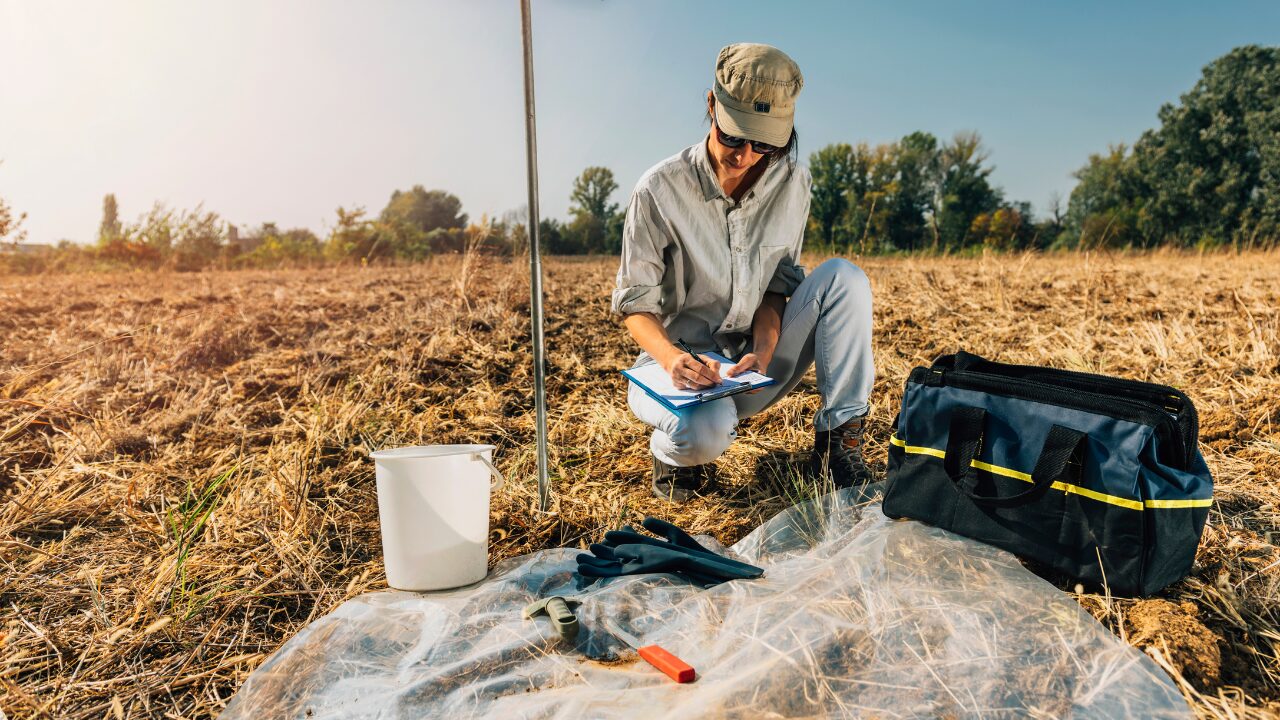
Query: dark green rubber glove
[[647, 559], [627, 552], [627, 536]]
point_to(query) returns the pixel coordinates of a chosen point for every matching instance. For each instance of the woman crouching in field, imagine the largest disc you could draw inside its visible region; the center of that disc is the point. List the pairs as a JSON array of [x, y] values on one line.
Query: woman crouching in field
[[709, 253]]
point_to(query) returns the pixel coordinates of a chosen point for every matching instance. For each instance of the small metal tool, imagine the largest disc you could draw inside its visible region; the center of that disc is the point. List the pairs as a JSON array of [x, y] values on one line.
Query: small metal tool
[[560, 611]]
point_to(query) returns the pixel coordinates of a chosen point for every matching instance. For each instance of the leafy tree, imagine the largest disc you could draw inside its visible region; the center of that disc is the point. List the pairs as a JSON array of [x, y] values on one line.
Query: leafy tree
[[110, 227], [1007, 228], [875, 183], [909, 195], [1209, 175], [613, 233], [553, 238], [355, 237], [832, 170], [596, 225], [964, 191], [1213, 166], [408, 240], [591, 192], [424, 209], [917, 164], [585, 234], [1104, 206], [849, 198]]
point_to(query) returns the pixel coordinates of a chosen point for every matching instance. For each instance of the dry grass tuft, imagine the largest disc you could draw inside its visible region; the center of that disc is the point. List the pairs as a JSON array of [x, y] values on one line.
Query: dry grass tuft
[[185, 482]]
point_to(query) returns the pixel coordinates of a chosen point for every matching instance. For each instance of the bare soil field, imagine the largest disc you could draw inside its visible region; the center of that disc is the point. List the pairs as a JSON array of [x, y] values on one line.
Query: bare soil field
[[184, 480]]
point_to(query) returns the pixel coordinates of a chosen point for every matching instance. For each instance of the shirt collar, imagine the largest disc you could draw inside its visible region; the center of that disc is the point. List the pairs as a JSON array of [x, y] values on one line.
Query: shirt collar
[[706, 174], [711, 185]]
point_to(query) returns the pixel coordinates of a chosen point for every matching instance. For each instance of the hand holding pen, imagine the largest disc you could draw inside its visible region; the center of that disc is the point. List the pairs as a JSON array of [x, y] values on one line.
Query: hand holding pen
[[690, 372]]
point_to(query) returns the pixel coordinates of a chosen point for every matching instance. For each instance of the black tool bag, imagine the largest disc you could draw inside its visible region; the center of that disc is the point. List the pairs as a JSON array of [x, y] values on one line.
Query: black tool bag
[[1097, 477]]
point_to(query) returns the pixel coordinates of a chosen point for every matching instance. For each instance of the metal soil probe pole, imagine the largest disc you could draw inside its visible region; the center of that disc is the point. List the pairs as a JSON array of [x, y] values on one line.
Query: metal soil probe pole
[[535, 260]]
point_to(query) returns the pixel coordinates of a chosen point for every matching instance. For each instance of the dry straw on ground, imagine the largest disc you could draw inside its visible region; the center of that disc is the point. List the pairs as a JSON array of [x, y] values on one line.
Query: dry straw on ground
[[185, 482]]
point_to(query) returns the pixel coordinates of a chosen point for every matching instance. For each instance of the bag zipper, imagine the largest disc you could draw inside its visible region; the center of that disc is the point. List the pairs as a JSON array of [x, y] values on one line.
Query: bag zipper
[[1170, 399], [1076, 398]]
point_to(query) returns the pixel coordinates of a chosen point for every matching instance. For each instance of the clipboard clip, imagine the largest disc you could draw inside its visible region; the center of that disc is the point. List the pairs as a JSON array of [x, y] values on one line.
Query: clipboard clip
[[738, 387]]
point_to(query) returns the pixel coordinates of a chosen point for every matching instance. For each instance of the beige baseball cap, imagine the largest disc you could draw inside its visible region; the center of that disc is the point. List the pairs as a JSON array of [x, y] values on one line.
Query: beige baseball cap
[[755, 91]]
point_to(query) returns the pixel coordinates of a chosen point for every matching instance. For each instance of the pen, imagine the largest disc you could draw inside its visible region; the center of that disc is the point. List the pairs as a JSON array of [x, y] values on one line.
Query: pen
[[680, 343]]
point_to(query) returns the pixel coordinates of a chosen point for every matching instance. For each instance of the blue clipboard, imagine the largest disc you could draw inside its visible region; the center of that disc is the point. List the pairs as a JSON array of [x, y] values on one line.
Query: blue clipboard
[[657, 384]]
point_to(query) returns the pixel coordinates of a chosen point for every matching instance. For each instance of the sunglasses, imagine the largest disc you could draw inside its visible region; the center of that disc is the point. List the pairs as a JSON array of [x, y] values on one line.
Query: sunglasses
[[734, 141]]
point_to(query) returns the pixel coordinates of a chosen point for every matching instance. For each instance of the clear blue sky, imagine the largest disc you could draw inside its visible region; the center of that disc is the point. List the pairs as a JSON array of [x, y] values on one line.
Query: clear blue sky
[[283, 111]]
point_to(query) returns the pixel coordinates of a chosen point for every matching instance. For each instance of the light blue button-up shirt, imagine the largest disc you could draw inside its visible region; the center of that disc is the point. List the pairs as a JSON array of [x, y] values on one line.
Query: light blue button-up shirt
[[701, 262]]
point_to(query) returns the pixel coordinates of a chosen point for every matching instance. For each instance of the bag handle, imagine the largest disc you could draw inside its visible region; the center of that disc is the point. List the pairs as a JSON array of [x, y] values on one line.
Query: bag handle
[[965, 442], [492, 470]]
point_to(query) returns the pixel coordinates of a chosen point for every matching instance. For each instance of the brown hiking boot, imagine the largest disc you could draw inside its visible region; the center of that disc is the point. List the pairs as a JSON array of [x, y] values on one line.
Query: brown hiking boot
[[678, 484], [837, 454]]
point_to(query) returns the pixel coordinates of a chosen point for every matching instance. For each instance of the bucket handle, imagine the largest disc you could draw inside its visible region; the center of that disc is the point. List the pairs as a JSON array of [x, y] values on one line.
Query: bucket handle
[[501, 480]]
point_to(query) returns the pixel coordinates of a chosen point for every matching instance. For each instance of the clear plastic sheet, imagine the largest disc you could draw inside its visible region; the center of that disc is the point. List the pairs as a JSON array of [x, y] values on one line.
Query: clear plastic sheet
[[856, 616]]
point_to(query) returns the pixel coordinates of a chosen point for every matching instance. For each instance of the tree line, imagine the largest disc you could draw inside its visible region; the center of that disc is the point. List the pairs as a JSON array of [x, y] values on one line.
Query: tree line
[[414, 225], [1208, 176], [914, 194]]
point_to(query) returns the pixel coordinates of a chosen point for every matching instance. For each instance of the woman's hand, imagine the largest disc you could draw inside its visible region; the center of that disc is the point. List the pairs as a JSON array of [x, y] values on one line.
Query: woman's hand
[[757, 361], [689, 374], [750, 361]]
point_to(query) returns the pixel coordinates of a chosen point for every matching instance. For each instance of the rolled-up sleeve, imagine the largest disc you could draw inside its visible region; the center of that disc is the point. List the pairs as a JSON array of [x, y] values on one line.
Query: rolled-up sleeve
[[790, 273], [786, 278], [639, 285]]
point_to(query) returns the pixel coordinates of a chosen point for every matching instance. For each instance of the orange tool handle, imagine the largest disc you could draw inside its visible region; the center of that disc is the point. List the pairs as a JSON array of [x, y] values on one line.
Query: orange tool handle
[[674, 667]]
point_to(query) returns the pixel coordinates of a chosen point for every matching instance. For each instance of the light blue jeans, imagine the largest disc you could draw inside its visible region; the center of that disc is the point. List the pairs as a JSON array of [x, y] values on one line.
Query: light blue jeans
[[827, 320]]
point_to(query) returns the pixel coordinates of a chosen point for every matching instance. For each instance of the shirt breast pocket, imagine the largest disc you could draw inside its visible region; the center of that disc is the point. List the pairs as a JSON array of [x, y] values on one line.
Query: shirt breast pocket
[[770, 257]]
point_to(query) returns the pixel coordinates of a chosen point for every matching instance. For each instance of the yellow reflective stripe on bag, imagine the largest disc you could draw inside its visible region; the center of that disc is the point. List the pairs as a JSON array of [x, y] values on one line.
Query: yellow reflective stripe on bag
[[1058, 485]]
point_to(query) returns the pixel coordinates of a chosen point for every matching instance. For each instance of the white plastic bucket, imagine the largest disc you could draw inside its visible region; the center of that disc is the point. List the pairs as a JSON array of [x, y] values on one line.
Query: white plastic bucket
[[433, 505]]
